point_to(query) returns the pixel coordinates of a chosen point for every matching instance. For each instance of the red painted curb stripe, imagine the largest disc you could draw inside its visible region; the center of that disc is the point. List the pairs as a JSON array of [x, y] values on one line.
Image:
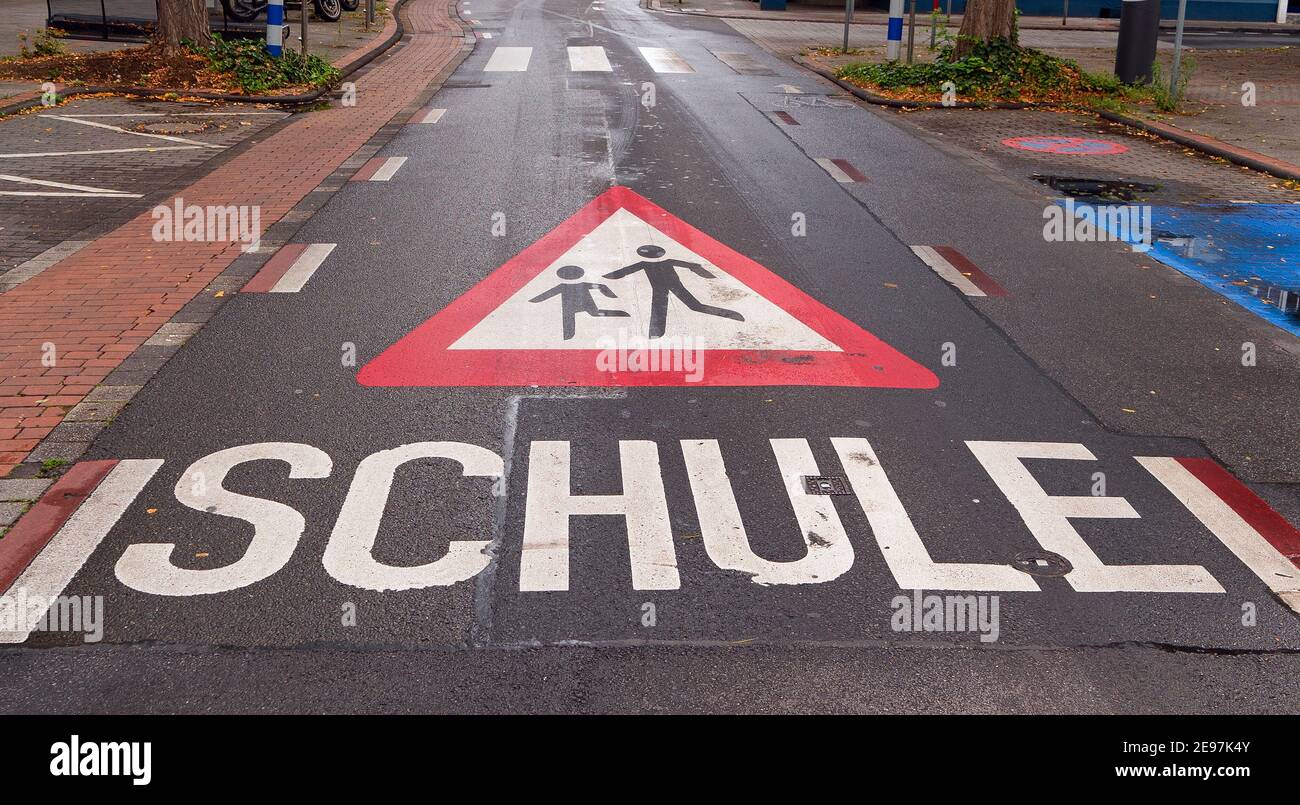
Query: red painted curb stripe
[[786, 118], [1271, 526], [978, 278], [42, 521], [846, 166], [275, 268], [369, 169]]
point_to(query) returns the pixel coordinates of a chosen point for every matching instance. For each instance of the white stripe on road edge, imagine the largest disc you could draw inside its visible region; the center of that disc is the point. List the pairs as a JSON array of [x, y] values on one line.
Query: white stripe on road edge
[[947, 270], [386, 170], [55, 566], [834, 170], [509, 60], [430, 116], [303, 268], [102, 151], [590, 59], [663, 60], [121, 130], [83, 190], [1255, 552]]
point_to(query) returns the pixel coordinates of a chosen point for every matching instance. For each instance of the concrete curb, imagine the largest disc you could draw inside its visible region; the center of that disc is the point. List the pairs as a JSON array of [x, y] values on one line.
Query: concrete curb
[[33, 100], [1197, 142]]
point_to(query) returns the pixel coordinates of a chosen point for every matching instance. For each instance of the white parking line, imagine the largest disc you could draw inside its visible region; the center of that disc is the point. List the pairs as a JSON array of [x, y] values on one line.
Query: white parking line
[[80, 190], [430, 116], [303, 268], [664, 60], [509, 60], [102, 151], [589, 59], [121, 130]]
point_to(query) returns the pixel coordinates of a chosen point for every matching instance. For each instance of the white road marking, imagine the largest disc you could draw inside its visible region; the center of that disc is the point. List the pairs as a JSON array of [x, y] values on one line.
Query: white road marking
[[81, 190], [591, 59], [834, 170], [1255, 552], [147, 566], [388, 169], [121, 130], [829, 553], [431, 116], [947, 270], [1048, 518], [303, 268], [508, 60], [899, 542], [664, 60], [520, 323], [485, 34], [58, 562], [550, 506], [102, 151], [790, 89], [349, 555]]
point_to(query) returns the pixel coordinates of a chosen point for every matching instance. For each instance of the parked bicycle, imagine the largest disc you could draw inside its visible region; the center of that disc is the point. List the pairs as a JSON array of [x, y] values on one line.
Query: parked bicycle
[[247, 10]]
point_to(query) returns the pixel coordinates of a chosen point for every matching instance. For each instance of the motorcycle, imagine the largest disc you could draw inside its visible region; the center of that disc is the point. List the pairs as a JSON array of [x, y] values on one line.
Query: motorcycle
[[247, 10]]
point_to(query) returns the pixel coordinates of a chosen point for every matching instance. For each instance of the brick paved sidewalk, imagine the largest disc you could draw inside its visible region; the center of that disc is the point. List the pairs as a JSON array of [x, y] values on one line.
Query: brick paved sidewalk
[[65, 330]]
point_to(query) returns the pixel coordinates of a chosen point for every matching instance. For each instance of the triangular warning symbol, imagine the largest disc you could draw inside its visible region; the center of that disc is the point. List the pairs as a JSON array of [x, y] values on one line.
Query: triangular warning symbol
[[625, 294]]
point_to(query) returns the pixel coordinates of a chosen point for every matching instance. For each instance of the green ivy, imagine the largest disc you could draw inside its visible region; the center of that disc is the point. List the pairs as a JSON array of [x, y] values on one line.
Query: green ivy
[[256, 71]]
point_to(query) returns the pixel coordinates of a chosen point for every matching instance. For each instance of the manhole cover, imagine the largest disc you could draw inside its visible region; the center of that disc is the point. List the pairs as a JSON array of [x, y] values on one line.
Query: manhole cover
[[172, 126], [1042, 563], [824, 485], [1105, 189], [1072, 146]]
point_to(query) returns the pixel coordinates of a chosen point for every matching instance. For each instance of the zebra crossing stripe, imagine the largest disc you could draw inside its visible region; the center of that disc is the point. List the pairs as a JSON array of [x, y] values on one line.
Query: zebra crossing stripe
[[589, 59], [509, 60], [664, 60]]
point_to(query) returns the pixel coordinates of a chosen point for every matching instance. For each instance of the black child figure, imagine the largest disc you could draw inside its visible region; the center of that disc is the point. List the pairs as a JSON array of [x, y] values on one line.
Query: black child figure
[[664, 281], [575, 298]]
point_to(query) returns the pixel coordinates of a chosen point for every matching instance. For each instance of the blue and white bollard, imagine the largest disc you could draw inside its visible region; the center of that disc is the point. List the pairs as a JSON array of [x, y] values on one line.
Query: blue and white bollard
[[275, 27], [894, 34]]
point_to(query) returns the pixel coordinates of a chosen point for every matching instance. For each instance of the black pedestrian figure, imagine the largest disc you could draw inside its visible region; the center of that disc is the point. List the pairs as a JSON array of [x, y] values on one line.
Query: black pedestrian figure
[[575, 298], [665, 282]]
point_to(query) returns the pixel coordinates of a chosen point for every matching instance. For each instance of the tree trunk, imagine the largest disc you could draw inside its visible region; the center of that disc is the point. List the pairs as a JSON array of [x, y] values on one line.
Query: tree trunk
[[181, 21], [984, 21]]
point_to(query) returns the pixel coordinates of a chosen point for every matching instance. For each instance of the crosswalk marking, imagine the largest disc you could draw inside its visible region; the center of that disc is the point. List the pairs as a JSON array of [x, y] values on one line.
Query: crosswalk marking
[[664, 60], [591, 59], [509, 60]]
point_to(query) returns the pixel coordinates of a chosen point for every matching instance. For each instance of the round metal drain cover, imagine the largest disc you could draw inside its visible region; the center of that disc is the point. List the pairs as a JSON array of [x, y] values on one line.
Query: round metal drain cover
[[1042, 563], [172, 126]]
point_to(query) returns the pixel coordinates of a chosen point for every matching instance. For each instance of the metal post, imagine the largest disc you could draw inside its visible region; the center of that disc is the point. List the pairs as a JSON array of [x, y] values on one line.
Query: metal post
[[911, 29], [103, 16], [1065, 12], [370, 13], [275, 28], [305, 3], [1178, 50], [1281, 12], [894, 33], [848, 20]]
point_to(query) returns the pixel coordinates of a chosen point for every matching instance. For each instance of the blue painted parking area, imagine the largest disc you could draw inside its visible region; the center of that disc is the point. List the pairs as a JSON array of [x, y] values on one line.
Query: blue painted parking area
[[1249, 253]]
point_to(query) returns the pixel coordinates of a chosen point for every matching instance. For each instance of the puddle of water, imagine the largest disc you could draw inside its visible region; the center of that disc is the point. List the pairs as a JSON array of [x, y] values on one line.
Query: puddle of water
[[1096, 189]]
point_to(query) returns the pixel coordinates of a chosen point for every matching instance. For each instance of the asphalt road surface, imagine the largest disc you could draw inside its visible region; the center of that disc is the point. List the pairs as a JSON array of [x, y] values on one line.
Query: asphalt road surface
[[396, 489]]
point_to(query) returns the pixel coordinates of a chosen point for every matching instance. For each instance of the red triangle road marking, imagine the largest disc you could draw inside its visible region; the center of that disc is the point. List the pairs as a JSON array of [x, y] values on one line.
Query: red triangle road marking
[[462, 345]]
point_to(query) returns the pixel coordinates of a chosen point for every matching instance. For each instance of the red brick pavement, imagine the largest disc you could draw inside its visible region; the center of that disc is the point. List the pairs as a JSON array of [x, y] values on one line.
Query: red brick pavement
[[97, 306]]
